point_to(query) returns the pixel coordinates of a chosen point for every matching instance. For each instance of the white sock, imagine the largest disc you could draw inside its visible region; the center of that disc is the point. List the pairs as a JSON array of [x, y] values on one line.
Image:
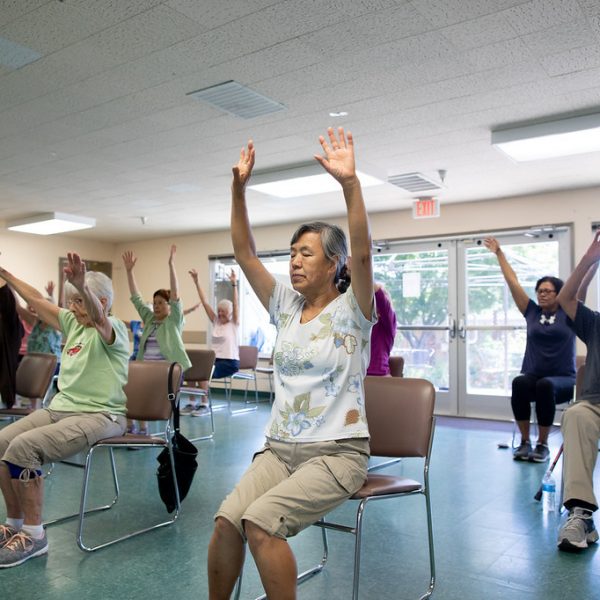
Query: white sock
[[35, 531], [16, 523]]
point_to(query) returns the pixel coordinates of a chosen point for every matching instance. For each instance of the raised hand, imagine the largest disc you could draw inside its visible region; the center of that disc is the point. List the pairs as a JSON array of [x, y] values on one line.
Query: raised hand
[[491, 244], [339, 155], [194, 275], [50, 289], [243, 169], [593, 252], [75, 270], [232, 277], [129, 260], [172, 253]]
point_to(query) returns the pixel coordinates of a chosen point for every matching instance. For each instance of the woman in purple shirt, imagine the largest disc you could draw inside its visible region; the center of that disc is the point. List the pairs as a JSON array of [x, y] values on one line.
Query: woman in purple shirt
[[382, 334]]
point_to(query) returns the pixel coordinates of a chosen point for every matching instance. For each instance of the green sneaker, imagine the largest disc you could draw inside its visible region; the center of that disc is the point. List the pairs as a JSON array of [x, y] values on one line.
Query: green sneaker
[[6, 532], [22, 547]]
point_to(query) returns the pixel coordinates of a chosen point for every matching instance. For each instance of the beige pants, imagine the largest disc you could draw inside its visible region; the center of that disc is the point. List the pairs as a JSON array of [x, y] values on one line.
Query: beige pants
[[581, 431], [291, 485], [49, 435]]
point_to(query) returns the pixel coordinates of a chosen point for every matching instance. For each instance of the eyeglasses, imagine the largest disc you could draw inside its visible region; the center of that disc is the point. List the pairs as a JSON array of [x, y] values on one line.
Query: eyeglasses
[[545, 292], [77, 301]]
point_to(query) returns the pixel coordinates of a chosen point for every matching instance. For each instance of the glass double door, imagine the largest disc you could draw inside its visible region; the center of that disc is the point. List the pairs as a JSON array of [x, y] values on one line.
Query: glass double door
[[457, 324]]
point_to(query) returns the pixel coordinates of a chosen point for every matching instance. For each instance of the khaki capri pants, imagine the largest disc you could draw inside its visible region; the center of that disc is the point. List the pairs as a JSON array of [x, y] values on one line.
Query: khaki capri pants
[[49, 435], [289, 486]]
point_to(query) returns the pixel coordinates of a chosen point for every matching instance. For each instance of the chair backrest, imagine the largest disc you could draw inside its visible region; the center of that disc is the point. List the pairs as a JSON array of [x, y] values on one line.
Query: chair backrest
[[147, 389], [248, 357], [34, 374], [202, 365], [396, 366], [400, 415], [579, 381]]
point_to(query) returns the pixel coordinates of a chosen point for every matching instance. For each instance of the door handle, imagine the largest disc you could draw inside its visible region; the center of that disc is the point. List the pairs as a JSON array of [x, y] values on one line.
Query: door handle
[[451, 327], [462, 330]]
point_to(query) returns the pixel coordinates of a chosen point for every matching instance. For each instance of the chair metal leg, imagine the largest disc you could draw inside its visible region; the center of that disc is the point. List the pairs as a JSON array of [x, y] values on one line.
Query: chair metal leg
[[83, 512], [247, 409], [96, 508], [431, 548]]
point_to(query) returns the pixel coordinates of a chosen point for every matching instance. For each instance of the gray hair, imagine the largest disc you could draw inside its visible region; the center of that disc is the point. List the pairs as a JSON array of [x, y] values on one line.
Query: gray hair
[[99, 284], [227, 305], [333, 241]]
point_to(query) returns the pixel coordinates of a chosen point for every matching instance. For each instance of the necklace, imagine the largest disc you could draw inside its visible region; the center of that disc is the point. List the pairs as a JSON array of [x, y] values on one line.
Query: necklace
[[544, 320]]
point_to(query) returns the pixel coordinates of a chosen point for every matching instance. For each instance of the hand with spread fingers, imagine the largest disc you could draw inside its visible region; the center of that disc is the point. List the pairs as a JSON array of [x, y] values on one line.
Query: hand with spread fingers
[[339, 155]]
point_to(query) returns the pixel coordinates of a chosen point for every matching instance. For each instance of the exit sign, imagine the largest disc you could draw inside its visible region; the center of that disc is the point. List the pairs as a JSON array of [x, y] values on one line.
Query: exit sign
[[426, 208]]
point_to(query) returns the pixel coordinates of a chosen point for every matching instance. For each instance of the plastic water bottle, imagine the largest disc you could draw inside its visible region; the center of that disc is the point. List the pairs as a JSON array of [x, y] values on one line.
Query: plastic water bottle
[[548, 493]]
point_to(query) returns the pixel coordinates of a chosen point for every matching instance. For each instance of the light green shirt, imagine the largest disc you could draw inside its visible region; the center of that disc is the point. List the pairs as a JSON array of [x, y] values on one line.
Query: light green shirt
[[92, 372], [168, 332]]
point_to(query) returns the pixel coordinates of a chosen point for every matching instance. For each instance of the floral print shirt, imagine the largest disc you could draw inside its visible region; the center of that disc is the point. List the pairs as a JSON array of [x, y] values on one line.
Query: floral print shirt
[[319, 369]]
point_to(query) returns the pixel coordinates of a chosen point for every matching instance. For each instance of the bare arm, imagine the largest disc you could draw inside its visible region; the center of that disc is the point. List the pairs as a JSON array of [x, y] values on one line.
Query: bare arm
[[518, 293], [46, 311], [75, 272], [174, 283], [339, 163], [25, 314], [210, 313], [585, 284], [191, 309], [567, 296], [244, 248], [129, 261], [234, 284]]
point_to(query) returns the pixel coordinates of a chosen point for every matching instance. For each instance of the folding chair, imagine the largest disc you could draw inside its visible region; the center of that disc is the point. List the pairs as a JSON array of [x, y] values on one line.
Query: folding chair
[[401, 424], [268, 371], [203, 362], [148, 399], [34, 379], [247, 372]]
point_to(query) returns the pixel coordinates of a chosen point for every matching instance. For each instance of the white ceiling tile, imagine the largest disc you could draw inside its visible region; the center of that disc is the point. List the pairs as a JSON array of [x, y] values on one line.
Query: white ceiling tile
[[442, 13], [537, 15], [482, 31], [570, 61]]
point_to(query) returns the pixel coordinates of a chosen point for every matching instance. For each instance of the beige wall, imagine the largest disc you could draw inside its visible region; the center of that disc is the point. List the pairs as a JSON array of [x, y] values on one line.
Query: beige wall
[[35, 258]]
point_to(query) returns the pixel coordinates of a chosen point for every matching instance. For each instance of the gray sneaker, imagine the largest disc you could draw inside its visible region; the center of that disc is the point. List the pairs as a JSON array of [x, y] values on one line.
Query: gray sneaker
[[187, 409], [6, 532], [22, 547], [523, 451], [578, 531], [540, 454], [200, 411]]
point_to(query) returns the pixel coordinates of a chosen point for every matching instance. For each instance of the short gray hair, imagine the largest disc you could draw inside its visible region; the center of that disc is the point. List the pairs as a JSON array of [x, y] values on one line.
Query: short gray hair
[[333, 241], [227, 305], [98, 283]]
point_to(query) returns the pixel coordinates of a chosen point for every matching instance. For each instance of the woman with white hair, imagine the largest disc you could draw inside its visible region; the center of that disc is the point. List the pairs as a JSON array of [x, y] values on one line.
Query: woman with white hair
[[90, 405], [224, 339]]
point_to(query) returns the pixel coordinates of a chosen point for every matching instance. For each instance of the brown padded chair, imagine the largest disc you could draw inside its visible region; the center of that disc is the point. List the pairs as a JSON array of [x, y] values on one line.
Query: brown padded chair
[[401, 424], [203, 362], [148, 399], [397, 366], [34, 377]]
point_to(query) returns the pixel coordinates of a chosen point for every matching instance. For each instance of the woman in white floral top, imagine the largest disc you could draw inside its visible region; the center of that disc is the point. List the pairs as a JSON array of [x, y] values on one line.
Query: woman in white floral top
[[317, 440]]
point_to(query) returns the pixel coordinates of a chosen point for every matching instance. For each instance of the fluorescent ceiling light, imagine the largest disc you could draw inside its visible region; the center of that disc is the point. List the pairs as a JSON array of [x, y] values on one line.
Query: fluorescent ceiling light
[[50, 223], [301, 180], [563, 137]]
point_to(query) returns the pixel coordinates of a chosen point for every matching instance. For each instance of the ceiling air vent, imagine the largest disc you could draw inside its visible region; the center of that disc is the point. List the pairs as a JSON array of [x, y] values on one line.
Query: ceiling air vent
[[414, 182], [238, 100]]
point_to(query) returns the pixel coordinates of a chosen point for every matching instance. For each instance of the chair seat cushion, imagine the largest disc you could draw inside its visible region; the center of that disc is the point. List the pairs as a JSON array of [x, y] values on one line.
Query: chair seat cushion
[[381, 485], [132, 438], [15, 412]]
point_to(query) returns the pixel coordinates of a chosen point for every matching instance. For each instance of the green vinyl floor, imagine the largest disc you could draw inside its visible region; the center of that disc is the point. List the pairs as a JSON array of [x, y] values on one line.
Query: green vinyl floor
[[492, 540]]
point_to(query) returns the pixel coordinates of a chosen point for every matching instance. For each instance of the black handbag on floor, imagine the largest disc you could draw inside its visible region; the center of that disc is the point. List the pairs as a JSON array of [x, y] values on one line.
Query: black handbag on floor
[[184, 455]]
